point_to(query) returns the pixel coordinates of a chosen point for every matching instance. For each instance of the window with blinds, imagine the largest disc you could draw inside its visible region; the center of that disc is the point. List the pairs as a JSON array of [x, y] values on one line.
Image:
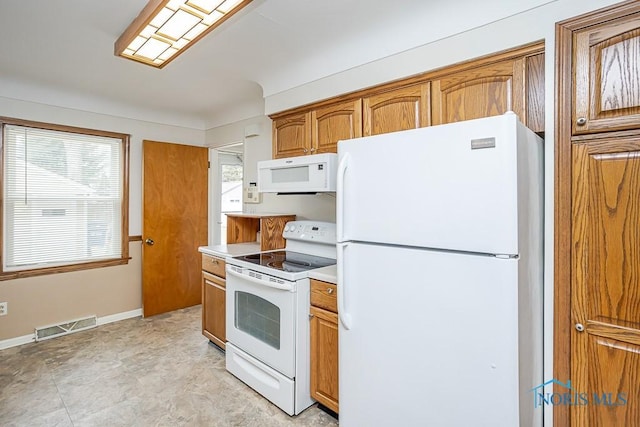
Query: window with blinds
[[62, 197]]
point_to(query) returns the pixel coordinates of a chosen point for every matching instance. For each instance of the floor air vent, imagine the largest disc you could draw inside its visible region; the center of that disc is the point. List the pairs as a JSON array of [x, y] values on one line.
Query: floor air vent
[[52, 331]]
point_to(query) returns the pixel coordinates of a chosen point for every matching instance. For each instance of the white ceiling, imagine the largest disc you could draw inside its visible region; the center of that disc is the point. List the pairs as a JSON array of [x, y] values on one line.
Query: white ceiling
[[60, 52]]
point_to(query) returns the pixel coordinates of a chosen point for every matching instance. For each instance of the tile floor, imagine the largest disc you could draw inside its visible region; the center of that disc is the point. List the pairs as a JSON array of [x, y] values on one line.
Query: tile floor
[[158, 371]]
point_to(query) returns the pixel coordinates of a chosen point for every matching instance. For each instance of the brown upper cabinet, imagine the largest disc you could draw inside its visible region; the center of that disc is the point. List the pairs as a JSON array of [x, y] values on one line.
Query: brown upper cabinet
[[507, 81], [292, 135], [607, 75], [317, 131], [333, 123], [400, 109], [485, 91]]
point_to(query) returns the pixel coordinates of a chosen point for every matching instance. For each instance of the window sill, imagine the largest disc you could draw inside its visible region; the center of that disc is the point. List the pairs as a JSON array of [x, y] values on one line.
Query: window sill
[[10, 275]]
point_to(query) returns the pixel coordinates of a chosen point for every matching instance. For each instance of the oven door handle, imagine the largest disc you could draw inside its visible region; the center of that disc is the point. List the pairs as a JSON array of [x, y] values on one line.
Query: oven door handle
[[258, 281]]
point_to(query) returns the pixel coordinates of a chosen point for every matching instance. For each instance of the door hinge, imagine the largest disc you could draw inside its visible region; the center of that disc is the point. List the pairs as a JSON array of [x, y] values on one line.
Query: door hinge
[[208, 165]]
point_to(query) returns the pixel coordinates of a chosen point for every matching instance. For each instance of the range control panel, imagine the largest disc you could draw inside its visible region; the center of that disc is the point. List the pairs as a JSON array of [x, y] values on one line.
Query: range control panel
[[316, 231]]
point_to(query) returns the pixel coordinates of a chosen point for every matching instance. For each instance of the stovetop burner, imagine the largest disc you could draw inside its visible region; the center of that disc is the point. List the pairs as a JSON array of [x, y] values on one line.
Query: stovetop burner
[[287, 260]]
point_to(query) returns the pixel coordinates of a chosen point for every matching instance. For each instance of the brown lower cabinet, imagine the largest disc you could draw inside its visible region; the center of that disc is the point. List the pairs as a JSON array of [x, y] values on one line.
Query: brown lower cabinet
[[324, 344], [214, 299]]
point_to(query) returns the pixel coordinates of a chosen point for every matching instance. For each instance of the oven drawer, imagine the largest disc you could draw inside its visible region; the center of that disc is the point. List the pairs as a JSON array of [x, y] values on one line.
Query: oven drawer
[[214, 265], [323, 295], [268, 382]]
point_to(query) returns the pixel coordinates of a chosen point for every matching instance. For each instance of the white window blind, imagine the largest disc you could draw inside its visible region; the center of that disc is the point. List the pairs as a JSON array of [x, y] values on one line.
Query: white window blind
[[62, 198]]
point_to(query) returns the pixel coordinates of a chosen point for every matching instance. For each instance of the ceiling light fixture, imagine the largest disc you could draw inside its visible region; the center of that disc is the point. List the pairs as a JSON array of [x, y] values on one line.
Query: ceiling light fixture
[[166, 28]]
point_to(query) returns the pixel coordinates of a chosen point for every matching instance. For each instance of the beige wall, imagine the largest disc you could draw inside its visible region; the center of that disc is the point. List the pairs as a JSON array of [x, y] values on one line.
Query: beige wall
[[55, 298], [109, 291]]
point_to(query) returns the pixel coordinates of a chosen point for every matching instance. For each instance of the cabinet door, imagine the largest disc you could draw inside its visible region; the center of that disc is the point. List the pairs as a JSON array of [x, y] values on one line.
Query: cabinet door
[[213, 309], [607, 77], [534, 84], [333, 123], [605, 296], [292, 135], [400, 109], [324, 357], [485, 91]]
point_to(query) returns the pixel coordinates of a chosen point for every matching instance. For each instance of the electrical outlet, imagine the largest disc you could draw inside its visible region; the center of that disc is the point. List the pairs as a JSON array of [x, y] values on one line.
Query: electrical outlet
[[4, 308]]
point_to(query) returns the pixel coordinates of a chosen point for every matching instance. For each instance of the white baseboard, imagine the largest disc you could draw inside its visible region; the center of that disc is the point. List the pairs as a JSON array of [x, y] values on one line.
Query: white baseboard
[[119, 316], [26, 339], [14, 342]]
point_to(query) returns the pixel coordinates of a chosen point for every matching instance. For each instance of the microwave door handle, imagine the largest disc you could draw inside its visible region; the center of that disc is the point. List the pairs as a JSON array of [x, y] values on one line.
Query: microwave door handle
[[342, 170], [258, 281]]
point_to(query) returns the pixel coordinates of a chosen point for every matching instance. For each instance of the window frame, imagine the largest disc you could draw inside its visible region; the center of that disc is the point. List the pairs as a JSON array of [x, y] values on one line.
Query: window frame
[[125, 146]]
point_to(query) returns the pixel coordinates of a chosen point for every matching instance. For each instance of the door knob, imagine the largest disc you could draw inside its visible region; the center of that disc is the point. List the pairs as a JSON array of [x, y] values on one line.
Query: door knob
[[149, 242]]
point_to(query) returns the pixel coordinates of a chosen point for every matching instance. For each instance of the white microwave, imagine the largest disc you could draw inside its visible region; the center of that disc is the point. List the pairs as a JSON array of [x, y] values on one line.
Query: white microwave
[[304, 174]]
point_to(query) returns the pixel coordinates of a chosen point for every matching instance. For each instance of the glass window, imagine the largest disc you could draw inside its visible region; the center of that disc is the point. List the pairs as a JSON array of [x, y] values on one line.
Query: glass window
[[231, 170], [63, 196]]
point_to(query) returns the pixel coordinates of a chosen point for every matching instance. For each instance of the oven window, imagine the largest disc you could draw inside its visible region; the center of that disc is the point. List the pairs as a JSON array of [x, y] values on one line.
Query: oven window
[[258, 317]]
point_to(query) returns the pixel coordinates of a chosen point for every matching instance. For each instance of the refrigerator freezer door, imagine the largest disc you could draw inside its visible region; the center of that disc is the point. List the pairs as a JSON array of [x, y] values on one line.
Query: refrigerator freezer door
[[433, 340], [453, 186]]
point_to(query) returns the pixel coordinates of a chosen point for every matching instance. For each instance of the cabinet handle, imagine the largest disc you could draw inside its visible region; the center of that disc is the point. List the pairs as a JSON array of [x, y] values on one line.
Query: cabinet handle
[[313, 149], [304, 150], [310, 316], [579, 327], [581, 121], [329, 291]]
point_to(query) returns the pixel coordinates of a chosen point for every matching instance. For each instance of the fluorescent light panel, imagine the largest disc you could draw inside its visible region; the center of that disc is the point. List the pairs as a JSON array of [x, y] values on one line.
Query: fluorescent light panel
[[165, 28]]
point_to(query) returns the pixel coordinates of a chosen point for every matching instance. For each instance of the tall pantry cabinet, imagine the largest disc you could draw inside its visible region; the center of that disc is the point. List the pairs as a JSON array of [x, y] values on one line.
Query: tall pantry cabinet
[[597, 247]]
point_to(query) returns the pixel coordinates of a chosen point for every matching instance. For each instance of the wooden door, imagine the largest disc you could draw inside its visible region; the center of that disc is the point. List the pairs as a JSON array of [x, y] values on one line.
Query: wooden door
[[324, 357], [607, 76], [484, 91], [174, 225], [605, 297], [334, 123], [400, 109], [292, 135]]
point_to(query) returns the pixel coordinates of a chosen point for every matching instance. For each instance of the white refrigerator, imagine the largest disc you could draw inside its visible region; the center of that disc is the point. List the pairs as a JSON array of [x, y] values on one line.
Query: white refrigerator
[[440, 276]]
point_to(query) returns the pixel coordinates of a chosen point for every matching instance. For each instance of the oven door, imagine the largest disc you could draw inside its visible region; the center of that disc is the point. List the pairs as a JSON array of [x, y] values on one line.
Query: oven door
[[261, 317]]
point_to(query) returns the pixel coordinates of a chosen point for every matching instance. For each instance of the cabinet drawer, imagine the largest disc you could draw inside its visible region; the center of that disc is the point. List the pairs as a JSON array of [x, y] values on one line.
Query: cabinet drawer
[[213, 265], [323, 295]]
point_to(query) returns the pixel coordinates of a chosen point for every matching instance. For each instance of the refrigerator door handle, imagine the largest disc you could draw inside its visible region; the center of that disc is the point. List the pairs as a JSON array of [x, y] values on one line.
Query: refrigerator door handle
[[342, 170], [345, 318]]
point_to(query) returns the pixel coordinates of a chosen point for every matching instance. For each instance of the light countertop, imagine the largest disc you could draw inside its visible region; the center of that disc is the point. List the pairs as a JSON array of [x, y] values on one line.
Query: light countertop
[[235, 249], [256, 215], [326, 274]]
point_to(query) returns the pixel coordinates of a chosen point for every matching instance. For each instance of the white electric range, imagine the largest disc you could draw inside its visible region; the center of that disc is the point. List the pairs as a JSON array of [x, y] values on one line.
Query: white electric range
[[268, 314]]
